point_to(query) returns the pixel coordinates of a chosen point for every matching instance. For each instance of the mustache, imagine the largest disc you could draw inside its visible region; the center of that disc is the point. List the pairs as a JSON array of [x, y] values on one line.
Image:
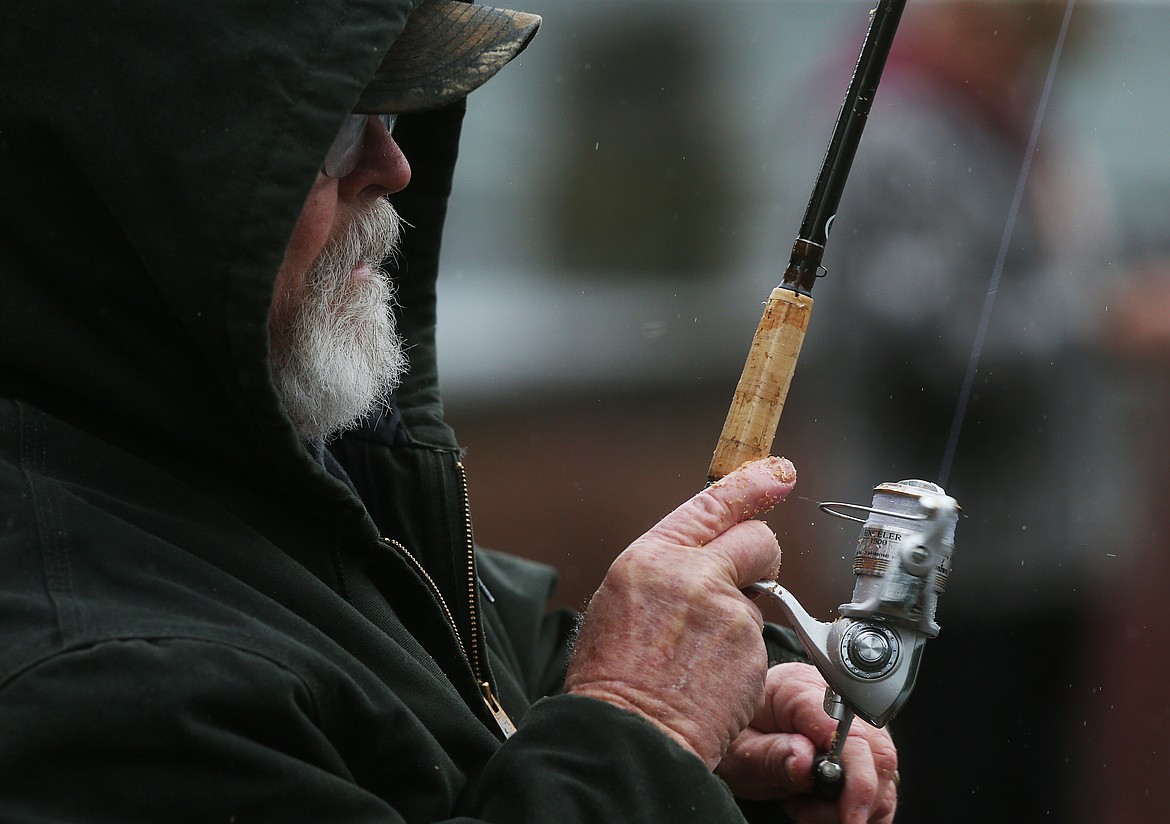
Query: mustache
[[371, 236]]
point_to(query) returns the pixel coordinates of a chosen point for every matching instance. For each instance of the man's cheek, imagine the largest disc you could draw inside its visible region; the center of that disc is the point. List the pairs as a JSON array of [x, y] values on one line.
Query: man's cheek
[[309, 236]]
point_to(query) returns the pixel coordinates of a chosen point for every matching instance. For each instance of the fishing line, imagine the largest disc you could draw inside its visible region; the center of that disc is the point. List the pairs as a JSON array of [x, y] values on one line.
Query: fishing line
[[1001, 256]]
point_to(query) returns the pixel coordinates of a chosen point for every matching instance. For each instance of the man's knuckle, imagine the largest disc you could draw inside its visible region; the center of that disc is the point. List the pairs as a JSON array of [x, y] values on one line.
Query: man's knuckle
[[756, 533], [692, 594], [885, 754]]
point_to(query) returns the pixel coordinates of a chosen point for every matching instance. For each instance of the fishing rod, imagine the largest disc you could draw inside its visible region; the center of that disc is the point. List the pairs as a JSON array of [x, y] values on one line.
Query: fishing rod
[[755, 411], [869, 656]]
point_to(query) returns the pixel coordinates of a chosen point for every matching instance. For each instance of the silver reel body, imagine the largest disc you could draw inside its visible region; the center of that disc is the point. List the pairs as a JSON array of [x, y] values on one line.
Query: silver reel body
[[870, 655]]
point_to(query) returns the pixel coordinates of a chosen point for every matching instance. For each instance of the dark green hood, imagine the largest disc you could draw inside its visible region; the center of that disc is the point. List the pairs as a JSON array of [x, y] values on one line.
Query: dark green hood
[[151, 183]]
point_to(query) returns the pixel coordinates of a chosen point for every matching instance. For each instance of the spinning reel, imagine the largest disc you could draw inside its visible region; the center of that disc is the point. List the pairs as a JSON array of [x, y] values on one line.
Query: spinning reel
[[870, 655]]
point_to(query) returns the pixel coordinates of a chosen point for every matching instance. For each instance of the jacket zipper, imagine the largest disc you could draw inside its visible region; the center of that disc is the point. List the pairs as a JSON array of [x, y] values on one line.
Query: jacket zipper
[[473, 659], [502, 720]]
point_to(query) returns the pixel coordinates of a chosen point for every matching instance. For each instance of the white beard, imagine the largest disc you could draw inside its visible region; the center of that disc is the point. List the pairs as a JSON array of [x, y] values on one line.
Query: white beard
[[335, 349]]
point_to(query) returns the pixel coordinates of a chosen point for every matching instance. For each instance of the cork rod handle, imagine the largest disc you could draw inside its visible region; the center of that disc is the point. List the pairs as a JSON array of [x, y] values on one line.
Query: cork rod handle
[[759, 397]]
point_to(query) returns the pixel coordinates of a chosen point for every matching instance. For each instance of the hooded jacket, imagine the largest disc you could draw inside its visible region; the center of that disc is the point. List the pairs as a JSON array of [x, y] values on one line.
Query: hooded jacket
[[200, 620]]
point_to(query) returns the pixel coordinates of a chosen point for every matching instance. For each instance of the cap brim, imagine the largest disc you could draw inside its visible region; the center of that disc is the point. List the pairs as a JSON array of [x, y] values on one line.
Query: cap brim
[[447, 50]]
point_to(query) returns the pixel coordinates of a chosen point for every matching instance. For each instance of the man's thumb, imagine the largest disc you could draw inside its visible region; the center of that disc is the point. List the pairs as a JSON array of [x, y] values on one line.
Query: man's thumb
[[752, 489]]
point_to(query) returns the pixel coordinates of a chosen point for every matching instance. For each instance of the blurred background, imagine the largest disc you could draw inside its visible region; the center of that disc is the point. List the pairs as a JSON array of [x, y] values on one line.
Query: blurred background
[[628, 195]]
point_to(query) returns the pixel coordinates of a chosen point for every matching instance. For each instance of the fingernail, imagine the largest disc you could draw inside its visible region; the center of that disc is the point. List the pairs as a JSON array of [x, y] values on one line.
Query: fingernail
[[790, 766], [783, 470]]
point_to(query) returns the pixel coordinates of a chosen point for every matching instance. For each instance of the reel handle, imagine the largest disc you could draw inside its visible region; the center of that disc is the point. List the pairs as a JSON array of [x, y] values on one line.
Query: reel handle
[[828, 777], [827, 769]]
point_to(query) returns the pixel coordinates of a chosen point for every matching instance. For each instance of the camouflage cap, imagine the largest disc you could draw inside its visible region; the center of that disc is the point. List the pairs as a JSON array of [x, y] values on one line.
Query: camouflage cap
[[446, 50]]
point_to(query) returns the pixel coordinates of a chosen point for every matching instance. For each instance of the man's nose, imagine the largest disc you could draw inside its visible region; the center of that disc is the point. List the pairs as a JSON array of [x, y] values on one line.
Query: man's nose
[[382, 168]]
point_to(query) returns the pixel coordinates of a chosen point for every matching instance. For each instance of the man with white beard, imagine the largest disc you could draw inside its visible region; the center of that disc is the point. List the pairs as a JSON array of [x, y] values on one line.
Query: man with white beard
[[336, 352], [207, 616]]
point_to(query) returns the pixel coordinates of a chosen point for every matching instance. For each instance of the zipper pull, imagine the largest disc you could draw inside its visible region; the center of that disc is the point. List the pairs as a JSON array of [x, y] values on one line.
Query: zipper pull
[[502, 720]]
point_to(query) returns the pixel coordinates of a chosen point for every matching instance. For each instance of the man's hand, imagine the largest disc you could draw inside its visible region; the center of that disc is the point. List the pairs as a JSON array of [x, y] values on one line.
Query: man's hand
[[669, 635], [772, 758]]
